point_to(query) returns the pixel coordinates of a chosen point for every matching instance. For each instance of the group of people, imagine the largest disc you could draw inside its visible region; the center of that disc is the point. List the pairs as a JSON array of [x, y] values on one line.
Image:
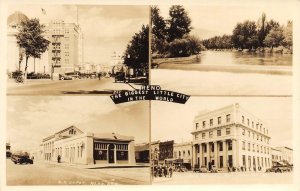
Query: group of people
[[163, 171]]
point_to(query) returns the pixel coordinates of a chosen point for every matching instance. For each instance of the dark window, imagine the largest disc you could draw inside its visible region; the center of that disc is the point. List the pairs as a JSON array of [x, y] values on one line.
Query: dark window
[[100, 154], [228, 118], [211, 122], [122, 155], [210, 134], [197, 125], [230, 145], [219, 120], [227, 131], [219, 132], [203, 123], [243, 119], [221, 146], [203, 135]]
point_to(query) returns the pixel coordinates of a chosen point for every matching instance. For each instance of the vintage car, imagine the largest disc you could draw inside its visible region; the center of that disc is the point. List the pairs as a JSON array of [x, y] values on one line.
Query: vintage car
[[203, 169], [65, 77], [280, 167], [21, 158], [120, 77]]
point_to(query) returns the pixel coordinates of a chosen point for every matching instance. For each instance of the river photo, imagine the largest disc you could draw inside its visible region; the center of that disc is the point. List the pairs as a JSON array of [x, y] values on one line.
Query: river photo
[[251, 54]]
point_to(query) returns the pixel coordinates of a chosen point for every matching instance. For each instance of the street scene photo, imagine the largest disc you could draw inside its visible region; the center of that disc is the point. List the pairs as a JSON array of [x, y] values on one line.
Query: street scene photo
[[76, 49], [222, 140], [208, 50], [76, 140]]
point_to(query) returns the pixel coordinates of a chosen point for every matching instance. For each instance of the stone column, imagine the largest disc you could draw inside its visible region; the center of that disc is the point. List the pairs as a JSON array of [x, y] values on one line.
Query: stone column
[[216, 154], [208, 154], [225, 163], [200, 154], [234, 151]]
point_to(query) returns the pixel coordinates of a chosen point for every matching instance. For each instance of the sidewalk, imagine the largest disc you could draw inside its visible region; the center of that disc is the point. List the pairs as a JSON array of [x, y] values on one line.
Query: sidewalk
[[94, 166]]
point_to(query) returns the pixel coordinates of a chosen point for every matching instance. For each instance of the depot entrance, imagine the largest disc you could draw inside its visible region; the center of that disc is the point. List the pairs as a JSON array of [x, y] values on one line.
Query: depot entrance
[[111, 153]]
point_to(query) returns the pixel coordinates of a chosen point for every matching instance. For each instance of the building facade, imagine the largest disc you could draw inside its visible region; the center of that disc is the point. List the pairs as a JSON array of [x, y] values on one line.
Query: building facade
[[142, 153], [231, 137], [65, 48], [77, 147], [286, 154], [183, 152], [14, 52], [166, 150], [276, 155]]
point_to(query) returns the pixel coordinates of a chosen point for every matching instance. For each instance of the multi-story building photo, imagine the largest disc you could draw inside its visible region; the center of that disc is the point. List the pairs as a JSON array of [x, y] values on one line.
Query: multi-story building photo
[[65, 48], [231, 137]]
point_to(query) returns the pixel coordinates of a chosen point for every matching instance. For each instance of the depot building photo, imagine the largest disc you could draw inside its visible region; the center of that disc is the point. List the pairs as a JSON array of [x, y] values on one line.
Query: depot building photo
[[72, 145]]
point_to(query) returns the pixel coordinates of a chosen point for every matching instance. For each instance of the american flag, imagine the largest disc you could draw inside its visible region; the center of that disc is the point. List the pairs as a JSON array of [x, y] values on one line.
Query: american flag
[[44, 11]]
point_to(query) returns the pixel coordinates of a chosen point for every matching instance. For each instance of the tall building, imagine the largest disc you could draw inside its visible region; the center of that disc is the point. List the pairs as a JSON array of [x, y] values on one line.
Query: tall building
[[231, 137], [65, 46]]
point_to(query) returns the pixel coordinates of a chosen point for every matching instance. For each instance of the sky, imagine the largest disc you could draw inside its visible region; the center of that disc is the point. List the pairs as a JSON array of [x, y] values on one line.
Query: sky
[[211, 20], [175, 121], [105, 28], [32, 118]]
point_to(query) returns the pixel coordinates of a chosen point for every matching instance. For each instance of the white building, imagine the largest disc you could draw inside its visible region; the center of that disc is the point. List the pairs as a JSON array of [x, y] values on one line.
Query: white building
[[78, 147], [231, 137], [286, 153], [38, 65], [183, 152]]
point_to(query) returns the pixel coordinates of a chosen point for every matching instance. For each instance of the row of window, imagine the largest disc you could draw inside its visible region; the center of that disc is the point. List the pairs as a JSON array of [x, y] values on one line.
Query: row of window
[[211, 135], [255, 136], [259, 148], [257, 125], [211, 121], [212, 147], [182, 153], [256, 161]]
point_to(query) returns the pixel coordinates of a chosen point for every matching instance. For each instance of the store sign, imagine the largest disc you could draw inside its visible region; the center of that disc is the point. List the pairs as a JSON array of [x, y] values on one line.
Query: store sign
[[149, 92]]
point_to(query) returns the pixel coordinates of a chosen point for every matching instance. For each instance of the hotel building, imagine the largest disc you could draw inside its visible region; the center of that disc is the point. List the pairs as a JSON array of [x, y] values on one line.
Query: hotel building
[[231, 137], [65, 48], [78, 147]]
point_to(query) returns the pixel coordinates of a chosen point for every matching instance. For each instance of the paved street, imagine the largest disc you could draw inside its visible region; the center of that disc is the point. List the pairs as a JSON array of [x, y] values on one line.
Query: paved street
[[225, 178], [52, 174], [58, 87]]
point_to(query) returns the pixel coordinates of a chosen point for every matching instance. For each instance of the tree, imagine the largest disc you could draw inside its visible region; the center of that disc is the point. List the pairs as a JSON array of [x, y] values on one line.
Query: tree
[[245, 35], [137, 52], [274, 38], [288, 35], [262, 30], [179, 23], [30, 38], [159, 31], [186, 46]]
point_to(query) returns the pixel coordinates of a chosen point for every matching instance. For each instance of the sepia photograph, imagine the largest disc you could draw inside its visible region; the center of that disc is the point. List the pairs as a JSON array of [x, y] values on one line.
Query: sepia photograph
[[76, 140], [208, 50], [222, 140], [76, 49]]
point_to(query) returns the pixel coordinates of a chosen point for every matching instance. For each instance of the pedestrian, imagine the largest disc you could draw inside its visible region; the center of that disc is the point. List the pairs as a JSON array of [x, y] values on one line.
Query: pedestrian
[[58, 158], [170, 171], [99, 76]]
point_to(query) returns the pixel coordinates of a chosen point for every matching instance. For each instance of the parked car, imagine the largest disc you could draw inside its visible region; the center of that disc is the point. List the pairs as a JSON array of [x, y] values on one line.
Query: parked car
[[203, 169], [120, 77], [21, 158], [65, 77], [196, 168], [280, 167]]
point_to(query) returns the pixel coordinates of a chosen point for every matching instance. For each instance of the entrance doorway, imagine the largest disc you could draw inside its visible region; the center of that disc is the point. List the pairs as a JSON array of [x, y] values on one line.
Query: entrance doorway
[[111, 153]]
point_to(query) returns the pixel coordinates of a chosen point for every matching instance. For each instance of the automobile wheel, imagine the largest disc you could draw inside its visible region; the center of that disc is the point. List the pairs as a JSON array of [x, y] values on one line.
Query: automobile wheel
[[62, 78], [15, 162]]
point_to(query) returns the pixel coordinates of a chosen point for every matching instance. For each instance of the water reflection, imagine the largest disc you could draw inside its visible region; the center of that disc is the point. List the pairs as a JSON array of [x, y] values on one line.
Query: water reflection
[[248, 58]]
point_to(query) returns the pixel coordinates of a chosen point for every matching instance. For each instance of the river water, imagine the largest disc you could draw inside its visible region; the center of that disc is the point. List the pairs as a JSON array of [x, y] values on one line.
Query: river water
[[248, 58]]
